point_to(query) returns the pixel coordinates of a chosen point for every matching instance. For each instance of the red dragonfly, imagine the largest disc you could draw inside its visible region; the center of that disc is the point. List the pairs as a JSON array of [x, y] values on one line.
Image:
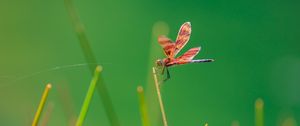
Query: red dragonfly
[[171, 49]]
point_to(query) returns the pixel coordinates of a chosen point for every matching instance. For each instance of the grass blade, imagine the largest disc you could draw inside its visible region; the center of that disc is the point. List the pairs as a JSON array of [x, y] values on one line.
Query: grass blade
[[88, 97], [161, 104], [159, 28], [259, 112], [41, 105], [206, 124], [143, 106], [90, 58]]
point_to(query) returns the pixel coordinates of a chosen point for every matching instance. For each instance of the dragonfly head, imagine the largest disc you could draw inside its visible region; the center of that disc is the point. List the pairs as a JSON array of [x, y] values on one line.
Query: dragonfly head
[[159, 62]]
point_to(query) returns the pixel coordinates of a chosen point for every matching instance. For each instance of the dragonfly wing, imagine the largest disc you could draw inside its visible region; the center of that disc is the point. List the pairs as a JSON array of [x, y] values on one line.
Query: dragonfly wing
[[182, 37], [167, 44], [190, 54], [187, 57]]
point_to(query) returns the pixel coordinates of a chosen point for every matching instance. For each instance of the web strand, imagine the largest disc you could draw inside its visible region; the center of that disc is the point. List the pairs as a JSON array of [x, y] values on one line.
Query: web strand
[[12, 80]]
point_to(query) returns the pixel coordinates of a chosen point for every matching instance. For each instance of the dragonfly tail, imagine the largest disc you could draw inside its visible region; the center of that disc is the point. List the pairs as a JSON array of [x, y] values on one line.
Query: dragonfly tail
[[202, 60]]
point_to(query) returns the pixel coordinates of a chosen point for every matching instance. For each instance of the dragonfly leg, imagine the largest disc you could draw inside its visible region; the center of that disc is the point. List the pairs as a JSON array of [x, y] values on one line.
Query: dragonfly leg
[[168, 75], [163, 70]]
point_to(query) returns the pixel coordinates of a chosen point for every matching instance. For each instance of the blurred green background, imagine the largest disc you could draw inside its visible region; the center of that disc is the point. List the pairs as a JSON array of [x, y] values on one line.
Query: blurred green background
[[255, 45]]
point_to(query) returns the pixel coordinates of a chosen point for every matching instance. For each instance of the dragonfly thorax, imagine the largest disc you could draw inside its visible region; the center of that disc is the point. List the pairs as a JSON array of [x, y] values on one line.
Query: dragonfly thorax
[[163, 62], [160, 62]]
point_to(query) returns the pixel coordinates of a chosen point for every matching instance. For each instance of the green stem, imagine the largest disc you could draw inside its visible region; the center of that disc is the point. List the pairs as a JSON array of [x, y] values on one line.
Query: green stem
[[90, 58], [159, 28], [88, 97], [83, 40], [206, 124], [41, 105], [143, 106], [161, 104], [259, 112]]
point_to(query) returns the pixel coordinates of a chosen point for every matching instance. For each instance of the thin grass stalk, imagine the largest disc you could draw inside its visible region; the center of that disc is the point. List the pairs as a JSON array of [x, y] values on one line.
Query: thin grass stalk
[[80, 31], [143, 107], [155, 52], [88, 97], [235, 123], [206, 124], [259, 112], [90, 58], [41, 105], [161, 104], [289, 121]]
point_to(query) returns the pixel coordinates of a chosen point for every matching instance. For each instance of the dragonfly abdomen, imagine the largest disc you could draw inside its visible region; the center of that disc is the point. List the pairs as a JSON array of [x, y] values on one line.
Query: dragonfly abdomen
[[202, 60]]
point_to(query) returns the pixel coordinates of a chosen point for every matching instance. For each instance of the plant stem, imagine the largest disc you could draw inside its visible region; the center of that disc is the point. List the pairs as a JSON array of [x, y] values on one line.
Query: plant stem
[[90, 58], [159, 98], [81, 34], [41, 105], [259, 112], [206, 124], [143, 106], [88, 96], [155, 52]]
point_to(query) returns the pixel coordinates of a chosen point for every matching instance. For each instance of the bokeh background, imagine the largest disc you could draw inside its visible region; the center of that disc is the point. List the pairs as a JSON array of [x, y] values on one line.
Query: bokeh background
[[255, 45]]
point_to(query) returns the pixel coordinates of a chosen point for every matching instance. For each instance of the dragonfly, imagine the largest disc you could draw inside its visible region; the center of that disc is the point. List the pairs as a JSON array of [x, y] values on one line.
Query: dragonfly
[[171, 49]]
